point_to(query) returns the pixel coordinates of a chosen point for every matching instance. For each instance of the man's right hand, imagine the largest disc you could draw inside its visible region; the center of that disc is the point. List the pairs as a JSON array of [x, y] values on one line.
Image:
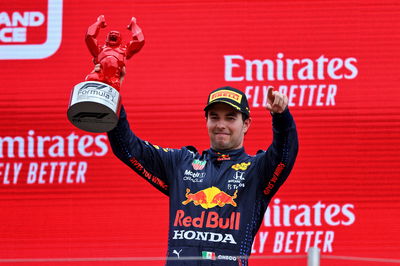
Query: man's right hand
[[276, 101]]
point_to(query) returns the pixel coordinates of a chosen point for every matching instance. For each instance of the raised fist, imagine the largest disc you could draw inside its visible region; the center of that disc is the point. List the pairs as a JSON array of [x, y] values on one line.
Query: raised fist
[[102, 21], [132, 23]]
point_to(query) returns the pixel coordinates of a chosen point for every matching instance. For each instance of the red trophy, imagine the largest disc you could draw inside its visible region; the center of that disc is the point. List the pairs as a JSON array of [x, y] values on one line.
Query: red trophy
[[95, 103]]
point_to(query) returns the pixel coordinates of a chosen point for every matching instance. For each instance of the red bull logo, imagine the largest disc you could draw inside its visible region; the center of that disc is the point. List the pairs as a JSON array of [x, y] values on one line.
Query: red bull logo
[[207, 220], [210, 197], [223, 157]]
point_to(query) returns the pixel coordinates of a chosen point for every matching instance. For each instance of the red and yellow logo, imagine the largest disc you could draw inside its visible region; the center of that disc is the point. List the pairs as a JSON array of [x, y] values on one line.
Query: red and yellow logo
[[226, 94], [241, 166], [210, 197], [223, 157]]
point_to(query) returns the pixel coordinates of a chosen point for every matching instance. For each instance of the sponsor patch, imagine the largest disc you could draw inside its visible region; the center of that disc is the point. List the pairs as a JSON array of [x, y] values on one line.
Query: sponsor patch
[[210, 197], [208, 255], [226, 94], [198, 164], [241, 166], [224, 157], [204, 236], [195, 177]]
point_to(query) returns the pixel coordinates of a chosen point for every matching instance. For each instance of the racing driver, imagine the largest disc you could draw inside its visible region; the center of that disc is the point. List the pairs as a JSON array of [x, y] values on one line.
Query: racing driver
[[218, 197]]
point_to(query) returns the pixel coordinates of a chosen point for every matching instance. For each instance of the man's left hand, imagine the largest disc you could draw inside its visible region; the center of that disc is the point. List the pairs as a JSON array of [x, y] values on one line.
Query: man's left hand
[[276, 102]]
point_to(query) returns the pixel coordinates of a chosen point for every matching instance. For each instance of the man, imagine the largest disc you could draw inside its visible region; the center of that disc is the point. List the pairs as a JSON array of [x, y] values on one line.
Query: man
[[217, 197]]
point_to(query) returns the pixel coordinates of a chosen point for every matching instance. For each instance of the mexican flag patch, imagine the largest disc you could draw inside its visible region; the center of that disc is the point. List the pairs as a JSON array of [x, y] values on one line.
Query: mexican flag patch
[[208, 255]]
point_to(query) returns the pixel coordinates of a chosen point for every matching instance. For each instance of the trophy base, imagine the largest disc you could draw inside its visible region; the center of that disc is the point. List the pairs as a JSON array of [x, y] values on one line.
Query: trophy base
[[94, 106]]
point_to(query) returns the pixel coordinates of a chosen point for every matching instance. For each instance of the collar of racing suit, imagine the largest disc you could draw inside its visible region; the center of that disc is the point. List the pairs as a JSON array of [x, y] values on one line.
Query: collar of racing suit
[[220, 156]]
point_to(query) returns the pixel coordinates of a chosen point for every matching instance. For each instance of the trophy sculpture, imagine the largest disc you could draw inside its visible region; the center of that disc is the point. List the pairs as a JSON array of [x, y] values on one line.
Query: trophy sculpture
[[95, 103]]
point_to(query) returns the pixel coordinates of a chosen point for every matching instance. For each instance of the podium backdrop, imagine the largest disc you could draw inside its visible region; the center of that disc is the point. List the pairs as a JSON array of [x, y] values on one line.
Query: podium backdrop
[[63, 195]]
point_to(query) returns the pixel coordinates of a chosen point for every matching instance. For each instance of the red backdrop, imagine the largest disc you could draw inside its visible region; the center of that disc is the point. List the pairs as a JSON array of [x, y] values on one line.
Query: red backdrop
[[63, 193]]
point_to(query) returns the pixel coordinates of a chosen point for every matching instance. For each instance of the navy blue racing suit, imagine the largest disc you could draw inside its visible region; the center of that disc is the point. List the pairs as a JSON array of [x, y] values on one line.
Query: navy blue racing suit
[[217, 199]]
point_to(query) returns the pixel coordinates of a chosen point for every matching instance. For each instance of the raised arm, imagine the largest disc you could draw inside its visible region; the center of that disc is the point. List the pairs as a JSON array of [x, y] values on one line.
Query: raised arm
[[91, 35], [282, 153], [137, 42], [151, 162]]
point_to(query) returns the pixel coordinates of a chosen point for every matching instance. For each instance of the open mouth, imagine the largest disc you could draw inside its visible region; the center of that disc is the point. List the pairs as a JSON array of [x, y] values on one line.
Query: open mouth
[[113, 38]]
